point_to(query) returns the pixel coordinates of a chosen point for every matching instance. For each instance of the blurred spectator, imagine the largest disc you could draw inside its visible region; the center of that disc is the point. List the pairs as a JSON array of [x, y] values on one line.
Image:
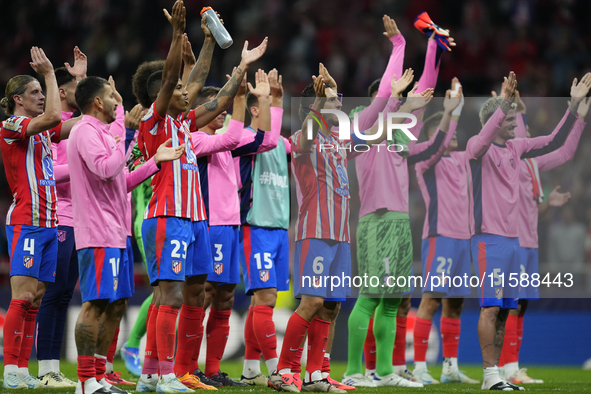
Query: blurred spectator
[[567, 241]]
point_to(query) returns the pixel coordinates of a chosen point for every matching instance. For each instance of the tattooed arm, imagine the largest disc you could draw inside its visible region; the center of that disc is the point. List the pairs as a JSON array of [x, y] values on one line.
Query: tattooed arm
[[198, 74], [210, 110]]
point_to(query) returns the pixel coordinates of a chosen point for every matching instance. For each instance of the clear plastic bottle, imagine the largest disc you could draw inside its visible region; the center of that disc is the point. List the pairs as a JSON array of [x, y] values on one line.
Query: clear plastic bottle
[[220, 34]]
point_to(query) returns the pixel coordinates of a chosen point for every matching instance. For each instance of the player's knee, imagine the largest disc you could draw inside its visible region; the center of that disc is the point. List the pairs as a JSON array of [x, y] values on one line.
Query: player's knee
[[117, 309], [267, 297], [172, 299], [403, 308], [25, 296], [309, 307]]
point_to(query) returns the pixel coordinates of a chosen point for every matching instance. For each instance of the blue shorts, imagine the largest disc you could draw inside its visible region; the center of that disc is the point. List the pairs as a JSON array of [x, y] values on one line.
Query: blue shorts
[[444, 258], [129, 273], [320, 266], [166, 243], [33, 251], [264, 258], [528, 264], [496, 257], [225, 250], [104, 274], [199, 260]]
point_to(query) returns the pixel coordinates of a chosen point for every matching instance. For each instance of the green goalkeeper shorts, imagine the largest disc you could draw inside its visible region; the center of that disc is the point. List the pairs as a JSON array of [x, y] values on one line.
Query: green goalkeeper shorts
[[384, 254]]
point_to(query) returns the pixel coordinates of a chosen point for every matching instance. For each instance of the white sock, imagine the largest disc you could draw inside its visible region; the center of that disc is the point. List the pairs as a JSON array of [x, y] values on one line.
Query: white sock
[[148, 377], [491, 377], [103, 382], [251, 368], [45, 367], [450, 364], [510, 369], [23, 371], [398, 369], [314, 376], [55, 365], [271, 364], [284, 371], [420, 366], [10, 369], [109, 368]]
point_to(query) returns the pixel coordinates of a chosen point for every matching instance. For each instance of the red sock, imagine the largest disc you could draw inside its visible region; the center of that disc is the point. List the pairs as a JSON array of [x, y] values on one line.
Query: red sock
[[197, 348], [113, 347], [165, 333], [509, 352], [265, 331], [218, 328], [317, 340], [326, 364], [14, 327], [450, 336], [294, 334], [399, 354], [421, 338], [187, 335], [100, 365], [28, 338], [519, 333], [296, 365], [253, 350], [151, 354], [369, 347], [86, 369]]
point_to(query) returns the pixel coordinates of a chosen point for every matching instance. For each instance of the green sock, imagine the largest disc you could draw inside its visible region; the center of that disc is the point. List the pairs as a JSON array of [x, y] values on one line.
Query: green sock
[[358, 324], [139, 328], [384, 329]]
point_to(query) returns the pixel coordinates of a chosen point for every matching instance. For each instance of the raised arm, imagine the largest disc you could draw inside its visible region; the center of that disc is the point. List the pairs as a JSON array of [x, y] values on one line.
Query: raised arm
[[555, 199], [172, 65], [367, 117], [53, 114], [149, 168], [567, 151], [80, 65], [198, 74], [210, 110], [308, 137]]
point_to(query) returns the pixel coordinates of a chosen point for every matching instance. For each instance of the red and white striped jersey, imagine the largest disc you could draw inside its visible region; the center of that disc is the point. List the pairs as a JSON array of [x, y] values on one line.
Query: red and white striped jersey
[[28, 162], [323, 188], [176, 188]]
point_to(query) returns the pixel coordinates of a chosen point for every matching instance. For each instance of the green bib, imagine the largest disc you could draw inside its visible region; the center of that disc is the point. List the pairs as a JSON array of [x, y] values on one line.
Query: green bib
[[270, 189]]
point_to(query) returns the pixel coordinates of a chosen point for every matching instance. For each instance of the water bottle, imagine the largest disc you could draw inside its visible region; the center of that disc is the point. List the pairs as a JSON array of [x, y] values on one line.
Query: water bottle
[[220, 34]]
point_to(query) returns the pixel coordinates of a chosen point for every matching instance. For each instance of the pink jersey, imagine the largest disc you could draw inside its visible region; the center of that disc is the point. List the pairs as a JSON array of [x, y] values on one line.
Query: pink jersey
[[176, 190], [28, 162], [528, 206], [444, 186], [99, 183], [215, 159], [62, 176], [494, 172]]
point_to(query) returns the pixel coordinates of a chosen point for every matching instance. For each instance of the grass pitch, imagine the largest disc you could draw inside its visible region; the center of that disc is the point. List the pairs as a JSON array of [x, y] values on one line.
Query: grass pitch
[[556, 380]]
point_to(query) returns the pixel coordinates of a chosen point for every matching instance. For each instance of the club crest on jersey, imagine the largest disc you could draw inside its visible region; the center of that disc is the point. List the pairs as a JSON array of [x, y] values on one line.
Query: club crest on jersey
[[512, 161], [28, 261], [61, 235], [499, 292], [48, 166], [343, 180], [115, 283], [316, 281], [177, 265], [264, 275], [218, 268]]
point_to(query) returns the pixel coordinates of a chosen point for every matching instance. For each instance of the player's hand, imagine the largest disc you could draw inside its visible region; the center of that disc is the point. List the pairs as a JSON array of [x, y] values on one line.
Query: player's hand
[[117, 139], [557, 199], [40, 62], [133, 118], [168, 153], [80, 65], [188, 55], [580, 89], [177, 20], [583, 108], [390, 27], [419, 100], [319, 86], [116, 94], [520, 104], [262, 89], [400, 85], [323, 71], [251, 56], [509, 86], [276, 84], [451, 102]]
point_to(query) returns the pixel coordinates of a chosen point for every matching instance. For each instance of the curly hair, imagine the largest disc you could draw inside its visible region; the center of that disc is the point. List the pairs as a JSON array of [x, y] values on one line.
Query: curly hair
[[140, 79]]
